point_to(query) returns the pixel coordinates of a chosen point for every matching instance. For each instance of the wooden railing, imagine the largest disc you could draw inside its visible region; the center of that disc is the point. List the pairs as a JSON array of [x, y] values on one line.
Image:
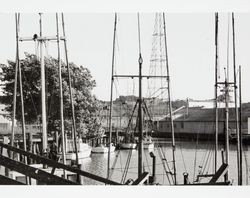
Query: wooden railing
[[42, 175]]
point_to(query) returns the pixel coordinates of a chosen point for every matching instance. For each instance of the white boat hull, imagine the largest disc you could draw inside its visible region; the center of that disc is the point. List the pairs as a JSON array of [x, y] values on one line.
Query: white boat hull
[[149, 146], [102, 149], [84, 151], [81, 155], [127, 145]]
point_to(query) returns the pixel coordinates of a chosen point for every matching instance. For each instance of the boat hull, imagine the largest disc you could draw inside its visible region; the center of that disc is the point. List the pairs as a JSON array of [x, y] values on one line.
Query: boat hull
[[127, 145], [81, 155], [102, 149], [149, 146]]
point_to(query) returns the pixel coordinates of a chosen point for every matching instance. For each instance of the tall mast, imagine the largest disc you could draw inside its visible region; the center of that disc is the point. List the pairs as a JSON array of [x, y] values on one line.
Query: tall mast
[[111, 96], [236, 109], [216, 92], [21, 88], [21, 95], [240, 128], [44, 121], [226, 124], [61, 93], [140, 112], [15, 85], [70, 91], [170, 102]]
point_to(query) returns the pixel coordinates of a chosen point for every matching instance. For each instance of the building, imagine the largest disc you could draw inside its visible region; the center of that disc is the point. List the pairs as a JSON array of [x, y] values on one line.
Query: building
[[200, 122]]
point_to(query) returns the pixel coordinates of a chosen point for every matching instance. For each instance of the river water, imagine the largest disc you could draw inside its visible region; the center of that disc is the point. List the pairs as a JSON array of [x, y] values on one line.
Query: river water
[[191, 157]]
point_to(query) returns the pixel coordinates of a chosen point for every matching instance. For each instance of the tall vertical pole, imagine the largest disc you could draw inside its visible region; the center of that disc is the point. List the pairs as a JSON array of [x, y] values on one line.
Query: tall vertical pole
[[236, 109], [61, 93], [226, 125], [240, 127], [70, 91], [15, 84], [170, 102], [216, 92], [111, 96], [140, 112], [21, 95], [44, 120]]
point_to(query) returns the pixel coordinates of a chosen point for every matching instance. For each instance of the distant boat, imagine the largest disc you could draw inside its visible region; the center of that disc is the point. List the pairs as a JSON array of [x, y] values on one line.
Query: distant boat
[[84, 150], [103, 149], [124, 145], [148, 143]]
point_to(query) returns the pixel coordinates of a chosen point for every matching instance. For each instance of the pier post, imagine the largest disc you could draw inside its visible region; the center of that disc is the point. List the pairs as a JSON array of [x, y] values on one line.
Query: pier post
[[152, 178]]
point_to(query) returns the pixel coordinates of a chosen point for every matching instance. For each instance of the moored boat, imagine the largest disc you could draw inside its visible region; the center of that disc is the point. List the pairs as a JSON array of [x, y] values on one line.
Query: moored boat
[[127, 145], [147, 143], [84, 150], [103, 149]]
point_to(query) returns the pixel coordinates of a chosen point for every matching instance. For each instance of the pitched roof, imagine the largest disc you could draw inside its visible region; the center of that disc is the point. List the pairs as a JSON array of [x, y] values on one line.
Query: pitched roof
[[208, 114]]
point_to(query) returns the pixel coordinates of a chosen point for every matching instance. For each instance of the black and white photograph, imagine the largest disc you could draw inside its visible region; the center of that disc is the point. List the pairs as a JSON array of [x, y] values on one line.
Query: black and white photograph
[[137, 97]]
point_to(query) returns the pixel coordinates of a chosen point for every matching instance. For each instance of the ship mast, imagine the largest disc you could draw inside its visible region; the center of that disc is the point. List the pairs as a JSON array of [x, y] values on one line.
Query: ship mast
[[170, 102], [70, 92], [43, 98], [140, 112], [216, 92], [239, 165], [111, 97], [61, 94]]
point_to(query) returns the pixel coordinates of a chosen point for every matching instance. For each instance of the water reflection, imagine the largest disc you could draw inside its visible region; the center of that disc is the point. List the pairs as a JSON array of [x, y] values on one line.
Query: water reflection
[[191, 157]]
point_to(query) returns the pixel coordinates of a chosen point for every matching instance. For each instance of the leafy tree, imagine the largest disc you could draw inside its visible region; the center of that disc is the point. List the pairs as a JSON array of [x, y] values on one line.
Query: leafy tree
[[86, 105]]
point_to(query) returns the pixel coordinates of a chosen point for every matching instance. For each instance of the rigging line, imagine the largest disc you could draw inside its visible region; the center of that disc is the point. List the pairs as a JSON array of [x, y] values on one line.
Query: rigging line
[[151, 95], [207, 148], [196, 148], [32, 100], [210, 160], [126, 167], [162, 92], [182, 157], [114, 163], [148, 166], [206, 161], [165, 165], [245, 157]]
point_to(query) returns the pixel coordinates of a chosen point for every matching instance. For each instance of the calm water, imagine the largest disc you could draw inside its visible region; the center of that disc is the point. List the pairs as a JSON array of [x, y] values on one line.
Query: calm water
[[191, 157]]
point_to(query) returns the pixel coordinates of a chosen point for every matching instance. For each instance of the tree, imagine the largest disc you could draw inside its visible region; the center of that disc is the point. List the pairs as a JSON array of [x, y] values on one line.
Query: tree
[[86, 105]]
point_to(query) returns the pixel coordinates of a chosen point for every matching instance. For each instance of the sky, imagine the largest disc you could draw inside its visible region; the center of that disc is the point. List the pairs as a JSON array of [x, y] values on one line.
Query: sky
[[190, 38]]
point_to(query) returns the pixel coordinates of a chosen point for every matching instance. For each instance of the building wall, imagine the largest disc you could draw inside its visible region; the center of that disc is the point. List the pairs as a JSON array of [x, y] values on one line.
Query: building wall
[[197, 127]]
